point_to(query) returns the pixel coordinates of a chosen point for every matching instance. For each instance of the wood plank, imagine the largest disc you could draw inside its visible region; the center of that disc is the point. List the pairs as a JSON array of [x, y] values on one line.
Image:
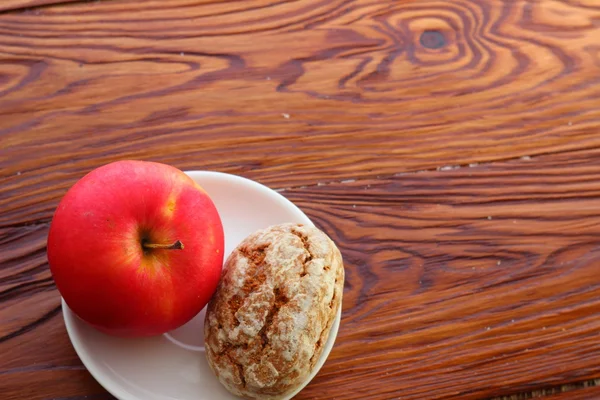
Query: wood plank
[[464, 283], [289, 93]]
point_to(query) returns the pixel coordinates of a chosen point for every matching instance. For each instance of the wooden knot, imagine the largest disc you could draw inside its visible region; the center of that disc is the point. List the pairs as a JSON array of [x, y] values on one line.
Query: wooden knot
[[432, 40]]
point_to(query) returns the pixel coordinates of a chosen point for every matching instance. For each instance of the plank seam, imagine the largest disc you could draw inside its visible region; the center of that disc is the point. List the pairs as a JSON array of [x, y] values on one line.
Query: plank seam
[[389, 176], [549, 391]]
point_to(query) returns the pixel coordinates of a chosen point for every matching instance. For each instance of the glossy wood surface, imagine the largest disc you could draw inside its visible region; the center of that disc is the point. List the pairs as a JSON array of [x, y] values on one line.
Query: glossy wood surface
[[450, 148]]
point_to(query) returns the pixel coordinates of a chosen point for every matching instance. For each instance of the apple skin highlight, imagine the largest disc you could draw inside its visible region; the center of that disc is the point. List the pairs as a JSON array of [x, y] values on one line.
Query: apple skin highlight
[[113, 251]]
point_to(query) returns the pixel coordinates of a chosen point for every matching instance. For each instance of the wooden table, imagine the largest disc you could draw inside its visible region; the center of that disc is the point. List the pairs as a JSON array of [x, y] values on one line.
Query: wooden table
[[450, 148]]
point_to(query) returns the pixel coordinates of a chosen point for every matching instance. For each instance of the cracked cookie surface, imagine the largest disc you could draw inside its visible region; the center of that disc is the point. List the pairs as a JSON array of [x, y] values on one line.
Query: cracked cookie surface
[[266, 325]]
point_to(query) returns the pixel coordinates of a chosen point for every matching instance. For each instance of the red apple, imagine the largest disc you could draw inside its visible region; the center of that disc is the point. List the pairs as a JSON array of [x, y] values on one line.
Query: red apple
[[136, 248]]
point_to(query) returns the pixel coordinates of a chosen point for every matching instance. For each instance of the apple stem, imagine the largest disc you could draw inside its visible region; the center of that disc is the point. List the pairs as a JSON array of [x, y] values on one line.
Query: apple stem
[[174, 246]]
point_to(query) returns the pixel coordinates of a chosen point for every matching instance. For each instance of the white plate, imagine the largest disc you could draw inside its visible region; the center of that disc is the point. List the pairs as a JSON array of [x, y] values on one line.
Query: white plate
[[174, 366]]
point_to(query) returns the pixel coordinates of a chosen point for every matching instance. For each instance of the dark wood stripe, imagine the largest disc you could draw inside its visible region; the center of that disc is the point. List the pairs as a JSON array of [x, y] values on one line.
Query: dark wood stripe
[[30, 5], [29, 327]]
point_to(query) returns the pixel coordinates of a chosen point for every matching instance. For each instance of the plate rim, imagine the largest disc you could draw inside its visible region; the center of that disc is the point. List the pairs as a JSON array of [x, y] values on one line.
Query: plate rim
[[108, 384]]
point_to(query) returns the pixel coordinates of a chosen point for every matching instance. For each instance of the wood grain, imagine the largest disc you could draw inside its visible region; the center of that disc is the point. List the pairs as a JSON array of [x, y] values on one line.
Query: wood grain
[[341, 89], [451, 149], [32, 5], [73, 382]]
